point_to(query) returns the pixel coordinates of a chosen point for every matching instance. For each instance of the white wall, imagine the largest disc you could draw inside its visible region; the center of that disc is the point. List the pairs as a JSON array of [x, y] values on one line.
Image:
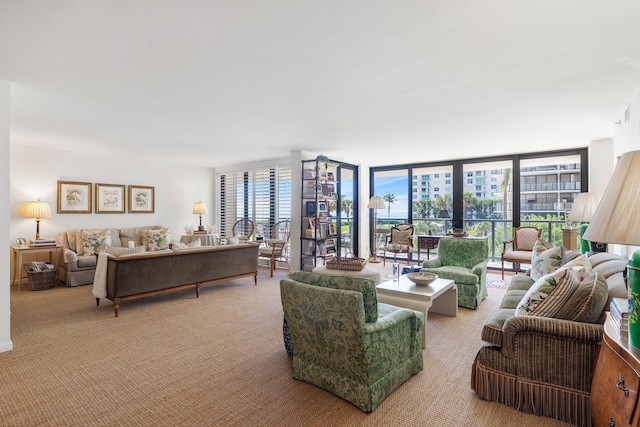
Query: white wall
[[5, 307], [627, 128], [36, 171]]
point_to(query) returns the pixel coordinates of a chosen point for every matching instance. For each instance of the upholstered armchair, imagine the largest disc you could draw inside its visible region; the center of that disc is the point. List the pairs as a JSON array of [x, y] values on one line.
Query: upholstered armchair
[[524, 238], [399, 241], [347, 343], [465, 262]]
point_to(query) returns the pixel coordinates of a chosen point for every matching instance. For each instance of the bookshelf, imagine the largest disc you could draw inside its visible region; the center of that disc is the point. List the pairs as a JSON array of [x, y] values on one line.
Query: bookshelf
[[320, 231]]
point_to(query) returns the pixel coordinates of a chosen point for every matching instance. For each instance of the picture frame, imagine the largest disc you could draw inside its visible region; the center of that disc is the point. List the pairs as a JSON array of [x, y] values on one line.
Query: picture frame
[[310, 208], [323, 207], [74, 197], [110, 198], [141, 199]]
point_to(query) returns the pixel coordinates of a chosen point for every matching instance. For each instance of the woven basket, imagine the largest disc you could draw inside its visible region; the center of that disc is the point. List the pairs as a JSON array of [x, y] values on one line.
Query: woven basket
[[39, 280], [342, 263]]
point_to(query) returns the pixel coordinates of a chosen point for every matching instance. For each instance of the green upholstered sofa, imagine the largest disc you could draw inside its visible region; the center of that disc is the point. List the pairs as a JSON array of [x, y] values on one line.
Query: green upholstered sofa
[[544, 365], [347, 343], [465, 262]]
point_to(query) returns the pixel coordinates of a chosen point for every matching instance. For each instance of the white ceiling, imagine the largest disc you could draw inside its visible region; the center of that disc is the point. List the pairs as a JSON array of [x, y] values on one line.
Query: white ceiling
[[374, 82]]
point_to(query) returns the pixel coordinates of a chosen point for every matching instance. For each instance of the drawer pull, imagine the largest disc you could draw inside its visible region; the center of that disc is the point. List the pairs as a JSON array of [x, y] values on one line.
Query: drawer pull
[[612, 423], [621, 386]]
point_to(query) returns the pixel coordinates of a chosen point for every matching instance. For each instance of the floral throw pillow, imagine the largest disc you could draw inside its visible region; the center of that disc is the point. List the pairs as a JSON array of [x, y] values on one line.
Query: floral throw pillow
[[545, 259], [195, 244], [549, 293], [581, 265], [156, 239], [94, 242]]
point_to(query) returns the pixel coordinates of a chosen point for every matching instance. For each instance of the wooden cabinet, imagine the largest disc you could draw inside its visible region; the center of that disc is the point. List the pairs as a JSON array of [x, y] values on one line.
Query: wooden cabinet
[[614, 389]]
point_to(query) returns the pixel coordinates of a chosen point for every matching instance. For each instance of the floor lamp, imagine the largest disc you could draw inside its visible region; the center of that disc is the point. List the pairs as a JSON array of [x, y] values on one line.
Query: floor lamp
[[375, 203], [617, 221]]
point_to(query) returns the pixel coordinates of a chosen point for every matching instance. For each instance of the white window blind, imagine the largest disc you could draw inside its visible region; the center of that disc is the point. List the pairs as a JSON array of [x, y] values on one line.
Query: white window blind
[[262, 195]]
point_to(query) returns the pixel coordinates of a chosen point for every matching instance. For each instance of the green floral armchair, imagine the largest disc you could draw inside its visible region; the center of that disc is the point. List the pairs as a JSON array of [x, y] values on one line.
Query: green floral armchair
[[345, 342], [465, 262]]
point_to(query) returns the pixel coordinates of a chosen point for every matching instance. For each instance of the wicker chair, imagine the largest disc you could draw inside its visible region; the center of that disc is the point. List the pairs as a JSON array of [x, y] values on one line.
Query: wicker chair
[[399, 241], [243, 229], [275, 248], [522, 247]]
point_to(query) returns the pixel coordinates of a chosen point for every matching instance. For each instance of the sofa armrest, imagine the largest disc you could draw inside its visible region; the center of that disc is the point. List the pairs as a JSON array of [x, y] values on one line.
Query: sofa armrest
[[385, 334], [553, 351], [432, 263], [69, 256]]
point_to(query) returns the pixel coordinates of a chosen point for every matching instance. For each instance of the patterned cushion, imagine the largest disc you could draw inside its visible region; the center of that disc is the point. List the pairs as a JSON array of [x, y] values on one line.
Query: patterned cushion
[[581, 265], [401, 237], [545, 259], [118, 251], [588, 301], [549, 293], [195, 244], [156, 239], [94, 242]]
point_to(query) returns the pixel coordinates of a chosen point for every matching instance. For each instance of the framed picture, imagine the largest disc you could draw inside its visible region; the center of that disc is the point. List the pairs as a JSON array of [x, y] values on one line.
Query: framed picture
[[109, 198], [322, 207], [310, 208], [141, 199], [74, 197]]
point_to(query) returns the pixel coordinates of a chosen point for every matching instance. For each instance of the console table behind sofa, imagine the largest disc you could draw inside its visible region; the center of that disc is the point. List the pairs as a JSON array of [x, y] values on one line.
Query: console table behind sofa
[[142, 276]]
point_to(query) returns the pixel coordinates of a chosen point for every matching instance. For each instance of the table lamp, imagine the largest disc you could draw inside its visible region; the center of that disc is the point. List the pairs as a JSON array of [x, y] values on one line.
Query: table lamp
[[200, 208], [582, 211], [375, 203], [617, 220], [444, 215], [38, 210]]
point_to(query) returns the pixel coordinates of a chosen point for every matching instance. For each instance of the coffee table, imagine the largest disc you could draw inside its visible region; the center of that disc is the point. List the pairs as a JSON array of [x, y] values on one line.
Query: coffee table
[[441, 296]]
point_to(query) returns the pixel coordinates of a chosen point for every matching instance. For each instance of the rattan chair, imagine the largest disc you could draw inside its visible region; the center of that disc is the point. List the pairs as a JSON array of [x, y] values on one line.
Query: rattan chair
[[276, 247], [524, 238], [243, 229]]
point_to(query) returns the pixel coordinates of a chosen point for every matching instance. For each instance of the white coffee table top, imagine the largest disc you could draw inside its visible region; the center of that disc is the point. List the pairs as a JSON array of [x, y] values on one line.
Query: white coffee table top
[[406, 286]]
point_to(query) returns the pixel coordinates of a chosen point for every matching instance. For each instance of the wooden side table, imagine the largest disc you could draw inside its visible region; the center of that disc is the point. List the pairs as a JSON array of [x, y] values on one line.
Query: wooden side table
[[428, 242], [614, 389], [19, 251]]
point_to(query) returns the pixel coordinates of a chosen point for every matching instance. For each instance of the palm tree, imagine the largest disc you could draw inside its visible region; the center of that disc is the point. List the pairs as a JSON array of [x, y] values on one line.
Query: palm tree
[[389, 198]]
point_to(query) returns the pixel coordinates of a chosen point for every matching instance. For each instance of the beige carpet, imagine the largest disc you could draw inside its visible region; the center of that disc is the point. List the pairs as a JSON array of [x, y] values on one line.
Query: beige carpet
[[218, 360]]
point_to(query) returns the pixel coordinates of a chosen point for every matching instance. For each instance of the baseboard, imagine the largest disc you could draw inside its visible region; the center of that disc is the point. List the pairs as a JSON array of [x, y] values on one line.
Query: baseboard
[[6, 346]]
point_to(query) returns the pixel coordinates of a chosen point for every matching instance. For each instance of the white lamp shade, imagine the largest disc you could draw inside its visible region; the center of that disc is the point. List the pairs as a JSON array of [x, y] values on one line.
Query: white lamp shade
[[376, 202], [38, 209], [617, 219], [200, 208], [584, 207]]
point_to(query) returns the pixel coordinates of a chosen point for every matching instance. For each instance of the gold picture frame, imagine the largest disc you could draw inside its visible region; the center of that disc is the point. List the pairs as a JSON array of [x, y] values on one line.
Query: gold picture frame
[[110, 198], [141, 199], [74, 197]]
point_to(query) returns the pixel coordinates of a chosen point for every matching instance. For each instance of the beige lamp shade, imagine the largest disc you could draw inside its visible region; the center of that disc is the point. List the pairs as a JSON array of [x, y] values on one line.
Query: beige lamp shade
[[200, 208], [584, 207], [376, 202], [38, 210], [617, 219]]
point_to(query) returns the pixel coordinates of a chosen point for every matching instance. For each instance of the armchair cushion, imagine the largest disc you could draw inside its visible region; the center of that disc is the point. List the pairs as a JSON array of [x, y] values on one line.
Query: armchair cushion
[[548, 294]]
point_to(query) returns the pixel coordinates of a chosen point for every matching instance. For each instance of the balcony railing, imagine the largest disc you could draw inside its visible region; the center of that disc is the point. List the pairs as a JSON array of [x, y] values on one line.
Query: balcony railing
[[495, 230]]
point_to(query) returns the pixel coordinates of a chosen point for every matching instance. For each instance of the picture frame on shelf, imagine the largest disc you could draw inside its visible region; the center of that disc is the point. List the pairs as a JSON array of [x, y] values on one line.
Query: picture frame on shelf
[[74, 197], [310, 208], [323, 208], [110, 198], [141, 199]]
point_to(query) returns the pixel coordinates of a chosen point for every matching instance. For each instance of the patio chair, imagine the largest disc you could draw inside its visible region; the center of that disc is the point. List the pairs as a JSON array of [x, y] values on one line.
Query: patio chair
[[524, 238]]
